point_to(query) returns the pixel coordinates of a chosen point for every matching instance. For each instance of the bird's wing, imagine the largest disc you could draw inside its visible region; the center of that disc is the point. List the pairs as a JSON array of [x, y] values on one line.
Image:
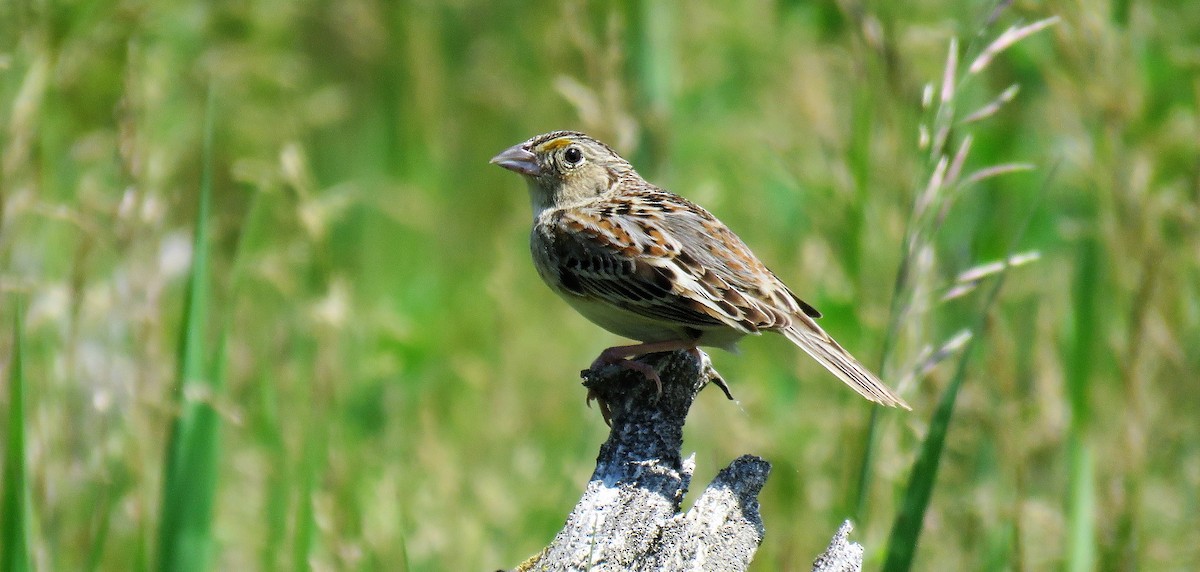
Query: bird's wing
[[715, 248], [628, 252], [660, 255]]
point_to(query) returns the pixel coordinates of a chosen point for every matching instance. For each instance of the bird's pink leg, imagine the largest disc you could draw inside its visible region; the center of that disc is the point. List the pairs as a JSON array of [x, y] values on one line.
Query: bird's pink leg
[[619, 355]]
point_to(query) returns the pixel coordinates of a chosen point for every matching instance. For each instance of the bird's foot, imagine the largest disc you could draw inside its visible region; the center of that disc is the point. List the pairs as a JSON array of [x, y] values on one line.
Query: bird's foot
[[619, 356], [710, 372], [612, 356]]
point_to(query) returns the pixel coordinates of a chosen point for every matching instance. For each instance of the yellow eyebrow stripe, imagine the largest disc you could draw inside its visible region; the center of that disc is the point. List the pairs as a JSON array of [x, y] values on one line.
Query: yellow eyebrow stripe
[[556, 144]]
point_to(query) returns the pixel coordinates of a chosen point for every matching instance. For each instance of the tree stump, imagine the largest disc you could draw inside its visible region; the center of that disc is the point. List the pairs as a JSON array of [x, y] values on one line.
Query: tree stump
[[629, 519]]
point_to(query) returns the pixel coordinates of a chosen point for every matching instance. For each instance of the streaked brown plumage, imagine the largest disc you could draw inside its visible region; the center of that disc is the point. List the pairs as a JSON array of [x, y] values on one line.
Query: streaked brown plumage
[[650, 265]]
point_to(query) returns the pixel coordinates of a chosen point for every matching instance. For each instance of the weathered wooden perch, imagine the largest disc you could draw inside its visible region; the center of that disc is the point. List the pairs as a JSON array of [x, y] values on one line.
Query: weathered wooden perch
[[629, 519]]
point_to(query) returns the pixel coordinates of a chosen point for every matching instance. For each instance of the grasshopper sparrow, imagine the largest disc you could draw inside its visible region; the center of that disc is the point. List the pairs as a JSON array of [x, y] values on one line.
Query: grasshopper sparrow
[[649, 265]]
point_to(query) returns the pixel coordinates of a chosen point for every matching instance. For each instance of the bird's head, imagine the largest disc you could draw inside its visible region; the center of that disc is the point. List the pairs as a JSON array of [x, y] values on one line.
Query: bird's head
[[564, 168]]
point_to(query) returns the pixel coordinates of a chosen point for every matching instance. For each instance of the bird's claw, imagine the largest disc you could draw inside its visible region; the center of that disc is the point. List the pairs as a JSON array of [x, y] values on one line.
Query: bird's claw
[[605, 410], [645, 369], [710, 372]]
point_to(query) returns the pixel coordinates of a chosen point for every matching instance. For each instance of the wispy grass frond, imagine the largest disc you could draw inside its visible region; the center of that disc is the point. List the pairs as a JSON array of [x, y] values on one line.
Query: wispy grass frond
[[1010, 36], [969, 279], [982, 271], [911, 301], [993, 106], [908, 524], [944, 113], [995, 171], [930, 358]]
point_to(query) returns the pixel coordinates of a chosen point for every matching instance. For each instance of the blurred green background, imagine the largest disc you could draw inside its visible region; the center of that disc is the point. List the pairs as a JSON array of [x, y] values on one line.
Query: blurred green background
[[400, 392]]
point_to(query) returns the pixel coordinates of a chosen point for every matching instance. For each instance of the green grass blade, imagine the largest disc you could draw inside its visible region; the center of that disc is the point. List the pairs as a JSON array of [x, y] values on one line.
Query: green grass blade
[[1120, 12], [906, 530], [858, 501], [1081, 511], [1081, 500], [305, 535], [15, 541], [651, 69], [867, 462], [189, 484]]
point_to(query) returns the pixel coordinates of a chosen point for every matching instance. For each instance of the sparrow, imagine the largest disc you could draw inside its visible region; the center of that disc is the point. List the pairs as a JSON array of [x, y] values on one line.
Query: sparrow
[[652, 266]]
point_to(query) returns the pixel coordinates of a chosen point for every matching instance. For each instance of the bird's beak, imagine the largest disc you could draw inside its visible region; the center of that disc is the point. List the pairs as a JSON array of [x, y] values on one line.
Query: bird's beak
[[518, 160]]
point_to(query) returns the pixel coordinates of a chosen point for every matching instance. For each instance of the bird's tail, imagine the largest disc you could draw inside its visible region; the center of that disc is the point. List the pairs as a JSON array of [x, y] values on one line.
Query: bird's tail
[[813, 340]]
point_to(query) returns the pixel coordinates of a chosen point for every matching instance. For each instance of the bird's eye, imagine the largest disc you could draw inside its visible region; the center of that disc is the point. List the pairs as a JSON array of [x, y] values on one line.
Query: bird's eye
[[573, 156]]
